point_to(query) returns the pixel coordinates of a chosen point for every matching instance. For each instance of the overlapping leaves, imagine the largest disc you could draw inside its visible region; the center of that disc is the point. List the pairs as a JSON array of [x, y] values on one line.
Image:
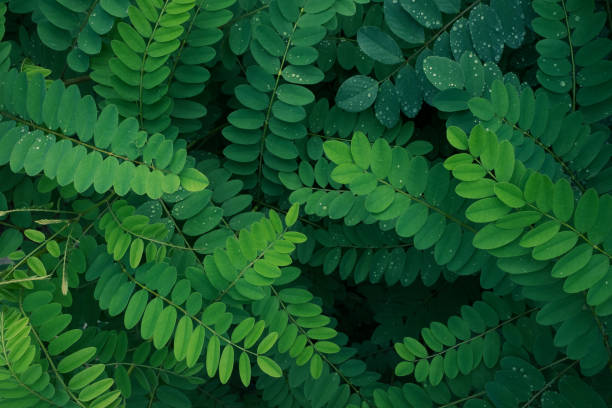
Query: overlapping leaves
[[41, 124]]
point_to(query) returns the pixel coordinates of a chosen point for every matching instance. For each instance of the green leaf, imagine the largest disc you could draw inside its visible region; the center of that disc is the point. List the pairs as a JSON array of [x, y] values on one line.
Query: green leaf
[[76, 359], [491, 349], [457, 137], [195, 346], [404, 368], [509, 194], [85, 377], [212, 356], [53, 248], [458, 159], [380, 160], [338, 152], [468, 172], [131, 37], [499, 98], [519, 219], [193, 180], [465, 357], [105, 127], [357, 93], [295, 94], [21, 149], [303, 75], [295, 295], [243, 328], [421, 371], [94, 390], [105, 174], [269, 366], [226, 364], [266, 269], [586, 210], [475, 189], [532, 187], [486, 210], [505, 161], [316, 366], [572, 262], [37, 154], [411, 222], [267, 343], [37, 266], [415, 347], [402, 24], [487, 33], [380, 199], [489, 153], [361, 150], [426, 12], [387, 107], [563, 200], [135, 309], [182, 337], [213, 312], [126, 55], [346, 173], [378, 45], [155, 185], [481, 108], [34, 235], [557, 246], [443, 73], [478, 140], [164, 327], [150, 318], [292, 215], [240, 36], [62, 342], [589, 277], [244, 369], [136, 249], [436, 370], [491, 237], [254, 335], [540, 234]]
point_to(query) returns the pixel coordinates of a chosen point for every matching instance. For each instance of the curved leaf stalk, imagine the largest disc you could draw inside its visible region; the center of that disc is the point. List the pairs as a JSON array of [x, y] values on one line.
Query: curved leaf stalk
[[50, 360], [566, 169], [571, 50], [272, 99], [548, 384], [73, 140], [431, 40], [184, 311], [144, 59], [74, 42], [144, 237], [311, 343], [484, 333], [7, 360]]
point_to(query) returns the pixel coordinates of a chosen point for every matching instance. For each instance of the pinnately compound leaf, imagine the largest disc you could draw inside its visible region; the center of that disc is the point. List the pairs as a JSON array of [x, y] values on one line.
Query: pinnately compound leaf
[[357, 93], [196, 196]]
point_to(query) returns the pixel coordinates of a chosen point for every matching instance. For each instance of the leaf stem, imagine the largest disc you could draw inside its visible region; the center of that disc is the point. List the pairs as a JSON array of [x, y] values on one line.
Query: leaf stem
[[272, 97], [7, 360], [431, 40], [571, 48], [185, 312], [49, 359]]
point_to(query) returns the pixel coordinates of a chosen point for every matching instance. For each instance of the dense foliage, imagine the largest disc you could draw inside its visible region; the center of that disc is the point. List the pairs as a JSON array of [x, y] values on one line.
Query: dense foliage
[[305, 203]]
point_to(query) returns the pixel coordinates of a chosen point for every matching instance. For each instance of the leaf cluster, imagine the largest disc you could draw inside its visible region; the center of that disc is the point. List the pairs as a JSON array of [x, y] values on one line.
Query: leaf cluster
[[305, 203]]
